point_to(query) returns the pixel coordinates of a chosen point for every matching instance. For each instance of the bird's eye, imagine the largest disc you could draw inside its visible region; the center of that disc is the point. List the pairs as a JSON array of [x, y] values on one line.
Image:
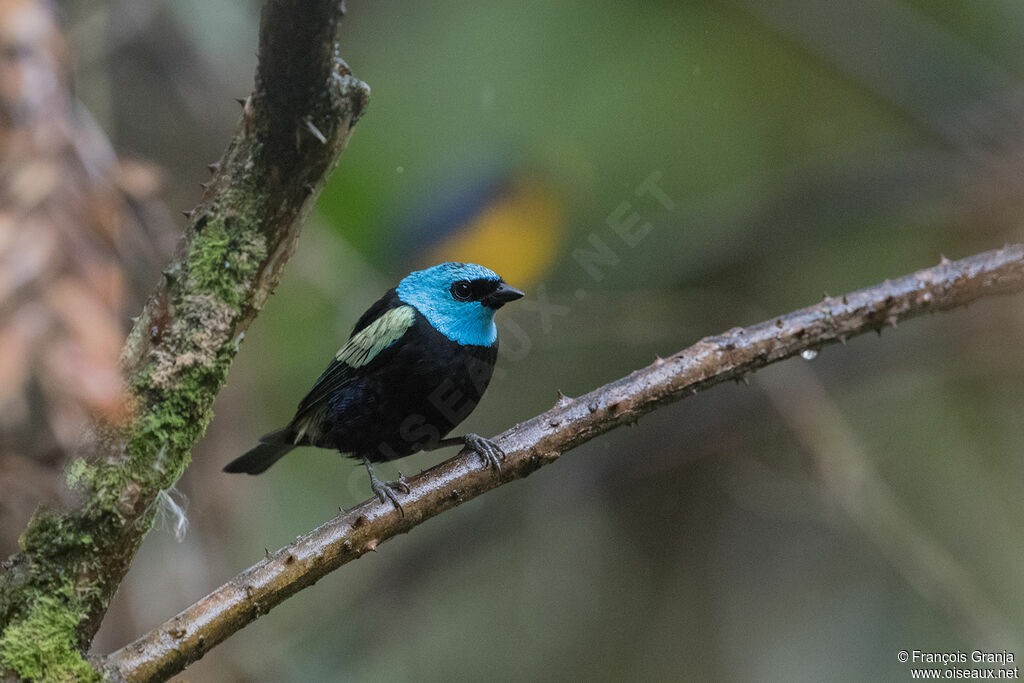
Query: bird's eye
[[462, 290]]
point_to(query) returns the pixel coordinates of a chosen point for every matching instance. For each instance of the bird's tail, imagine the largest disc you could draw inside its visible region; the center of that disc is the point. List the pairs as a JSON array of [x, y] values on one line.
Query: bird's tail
[[272, 447]]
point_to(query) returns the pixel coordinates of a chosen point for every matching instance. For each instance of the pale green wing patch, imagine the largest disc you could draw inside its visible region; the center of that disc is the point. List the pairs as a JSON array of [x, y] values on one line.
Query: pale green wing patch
[[377, 336], [360, 349]]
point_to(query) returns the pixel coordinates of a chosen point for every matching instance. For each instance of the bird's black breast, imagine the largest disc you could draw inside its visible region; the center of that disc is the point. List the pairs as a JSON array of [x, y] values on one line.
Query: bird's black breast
[[409, 396]]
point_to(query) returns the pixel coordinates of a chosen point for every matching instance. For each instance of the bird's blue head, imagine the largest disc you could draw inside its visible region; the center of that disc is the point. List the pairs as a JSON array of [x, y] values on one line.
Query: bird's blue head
[[459, 300]]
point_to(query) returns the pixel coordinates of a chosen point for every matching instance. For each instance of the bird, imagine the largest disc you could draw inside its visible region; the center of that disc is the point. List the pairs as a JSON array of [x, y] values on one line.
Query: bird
[[416, 365]]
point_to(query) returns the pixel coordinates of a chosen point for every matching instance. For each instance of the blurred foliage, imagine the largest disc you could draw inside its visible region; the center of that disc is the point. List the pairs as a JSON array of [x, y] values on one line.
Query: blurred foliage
[[806, 147], [82, 235]]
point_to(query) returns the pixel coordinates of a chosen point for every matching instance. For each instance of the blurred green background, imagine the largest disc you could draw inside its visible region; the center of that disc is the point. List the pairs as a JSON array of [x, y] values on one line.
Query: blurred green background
[[805, 527]]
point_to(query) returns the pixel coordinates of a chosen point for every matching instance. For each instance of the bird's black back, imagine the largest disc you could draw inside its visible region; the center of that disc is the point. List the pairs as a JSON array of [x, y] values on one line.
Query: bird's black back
[[407, 397]]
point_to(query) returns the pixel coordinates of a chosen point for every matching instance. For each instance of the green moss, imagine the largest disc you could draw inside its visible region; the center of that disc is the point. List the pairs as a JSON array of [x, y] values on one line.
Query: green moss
[[76, 473], [43, 646], [52, 535], [174, 420], [221, 261], [175, 391], [179, 356], [164, 427]]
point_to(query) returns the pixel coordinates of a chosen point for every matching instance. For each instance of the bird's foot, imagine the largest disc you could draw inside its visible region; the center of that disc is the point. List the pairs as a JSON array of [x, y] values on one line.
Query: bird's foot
[[489, 452], [387, 490]]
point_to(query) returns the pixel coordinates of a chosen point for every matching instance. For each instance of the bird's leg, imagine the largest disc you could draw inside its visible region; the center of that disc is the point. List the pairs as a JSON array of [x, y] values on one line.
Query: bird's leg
[[489, 452], [386, 490]]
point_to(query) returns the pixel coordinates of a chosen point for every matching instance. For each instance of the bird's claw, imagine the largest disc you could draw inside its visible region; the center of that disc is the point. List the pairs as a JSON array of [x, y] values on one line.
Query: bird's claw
[[388, 490], [402, 484], [489, 452]]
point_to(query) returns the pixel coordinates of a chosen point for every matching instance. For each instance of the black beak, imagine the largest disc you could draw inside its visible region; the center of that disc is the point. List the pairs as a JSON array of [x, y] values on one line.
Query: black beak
[[501, 296]]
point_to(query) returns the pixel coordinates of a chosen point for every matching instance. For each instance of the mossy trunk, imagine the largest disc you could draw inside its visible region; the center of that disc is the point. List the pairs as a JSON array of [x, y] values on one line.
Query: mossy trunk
[[54, 593]]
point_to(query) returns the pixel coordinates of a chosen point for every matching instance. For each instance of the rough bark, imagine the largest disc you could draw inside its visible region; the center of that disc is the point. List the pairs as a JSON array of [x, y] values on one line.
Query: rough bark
[[54, 593], [543, 439]]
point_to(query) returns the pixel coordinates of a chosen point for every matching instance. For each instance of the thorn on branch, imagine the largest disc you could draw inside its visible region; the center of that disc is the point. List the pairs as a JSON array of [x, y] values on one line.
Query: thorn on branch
[[315, 131]]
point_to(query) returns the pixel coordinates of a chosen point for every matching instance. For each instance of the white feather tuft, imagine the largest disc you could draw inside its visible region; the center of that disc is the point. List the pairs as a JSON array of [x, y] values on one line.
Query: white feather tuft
[[171, 514]]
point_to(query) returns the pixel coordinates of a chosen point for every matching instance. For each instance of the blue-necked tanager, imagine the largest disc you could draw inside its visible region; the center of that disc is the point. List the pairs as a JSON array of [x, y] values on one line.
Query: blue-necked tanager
[[415, 366]]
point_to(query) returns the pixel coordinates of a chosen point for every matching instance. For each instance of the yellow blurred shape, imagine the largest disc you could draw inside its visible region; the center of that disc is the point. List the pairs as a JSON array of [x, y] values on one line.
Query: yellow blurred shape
[[516, 235]]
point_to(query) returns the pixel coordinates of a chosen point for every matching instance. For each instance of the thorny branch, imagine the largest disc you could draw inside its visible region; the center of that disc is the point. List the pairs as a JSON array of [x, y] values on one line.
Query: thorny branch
[[294, 126], [543, 439]]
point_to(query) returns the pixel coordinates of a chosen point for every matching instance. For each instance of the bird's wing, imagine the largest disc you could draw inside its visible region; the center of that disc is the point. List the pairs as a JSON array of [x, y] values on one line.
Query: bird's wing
[[361, 348]]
